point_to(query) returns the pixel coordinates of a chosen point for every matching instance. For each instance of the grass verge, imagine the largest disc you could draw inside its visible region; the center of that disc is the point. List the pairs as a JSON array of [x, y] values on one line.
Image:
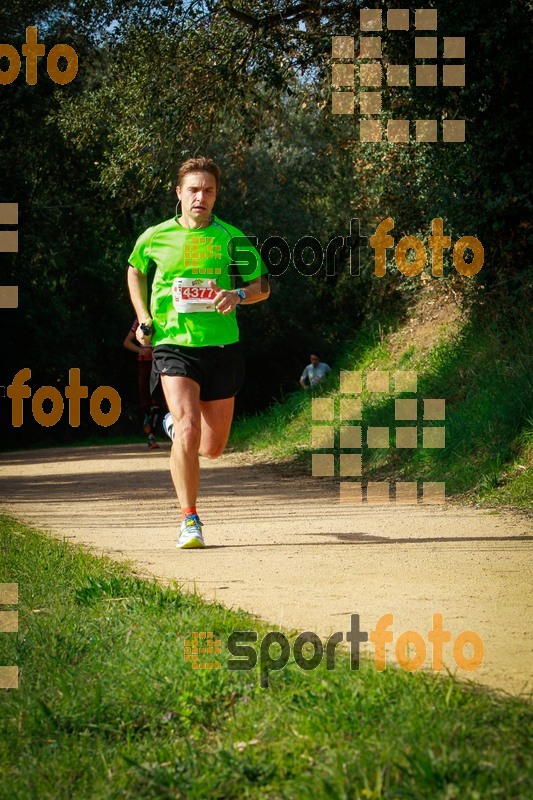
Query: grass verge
[[107, 706], [481, 369]]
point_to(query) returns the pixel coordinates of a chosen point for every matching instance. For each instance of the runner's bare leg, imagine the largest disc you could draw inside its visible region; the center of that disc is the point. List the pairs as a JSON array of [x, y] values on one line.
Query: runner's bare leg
[[199, 428], [217, 416]]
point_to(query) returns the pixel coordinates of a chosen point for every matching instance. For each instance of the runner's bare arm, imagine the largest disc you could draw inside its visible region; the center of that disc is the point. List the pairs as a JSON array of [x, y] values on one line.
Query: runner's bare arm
[[138, 287], [227, 299], [256, 290], [130, 343]]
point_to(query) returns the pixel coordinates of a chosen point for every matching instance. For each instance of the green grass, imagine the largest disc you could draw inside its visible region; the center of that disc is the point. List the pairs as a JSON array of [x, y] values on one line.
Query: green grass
[[511, 483], [108, 708], [483, 371]]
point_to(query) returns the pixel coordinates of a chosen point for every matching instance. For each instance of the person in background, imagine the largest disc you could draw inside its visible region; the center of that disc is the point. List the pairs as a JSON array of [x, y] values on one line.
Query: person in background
[[149, 405], [315, 372]]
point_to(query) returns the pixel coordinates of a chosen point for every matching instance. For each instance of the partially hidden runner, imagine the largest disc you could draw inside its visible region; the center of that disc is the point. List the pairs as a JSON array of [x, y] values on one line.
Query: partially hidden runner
[[151, 406], [193, 327]]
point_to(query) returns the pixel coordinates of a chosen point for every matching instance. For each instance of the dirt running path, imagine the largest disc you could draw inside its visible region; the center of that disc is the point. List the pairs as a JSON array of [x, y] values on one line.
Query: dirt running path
[[286, 550]]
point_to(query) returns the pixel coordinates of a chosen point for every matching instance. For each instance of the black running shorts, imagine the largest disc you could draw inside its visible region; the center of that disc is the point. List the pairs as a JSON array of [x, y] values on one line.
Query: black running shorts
[[219, 371]]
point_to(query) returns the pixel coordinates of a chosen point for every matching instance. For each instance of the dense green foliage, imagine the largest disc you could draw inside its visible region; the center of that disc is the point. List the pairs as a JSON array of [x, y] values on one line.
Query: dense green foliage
[[93, 163], [108, 707]]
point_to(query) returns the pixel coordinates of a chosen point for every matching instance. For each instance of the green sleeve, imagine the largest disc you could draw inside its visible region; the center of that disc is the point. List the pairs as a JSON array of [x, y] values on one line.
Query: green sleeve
[[140, 257], [246, 259]]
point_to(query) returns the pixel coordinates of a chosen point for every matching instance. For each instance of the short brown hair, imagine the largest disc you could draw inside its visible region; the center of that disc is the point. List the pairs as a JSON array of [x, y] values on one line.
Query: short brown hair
[[199, 164]]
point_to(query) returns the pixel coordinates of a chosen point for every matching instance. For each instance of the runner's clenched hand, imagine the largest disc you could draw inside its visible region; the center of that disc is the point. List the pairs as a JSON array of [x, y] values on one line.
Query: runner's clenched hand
[[225, 300]]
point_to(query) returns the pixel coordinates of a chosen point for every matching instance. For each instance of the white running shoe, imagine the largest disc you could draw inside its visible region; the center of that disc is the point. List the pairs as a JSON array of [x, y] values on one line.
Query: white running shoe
[[168, 426], [191, 533]]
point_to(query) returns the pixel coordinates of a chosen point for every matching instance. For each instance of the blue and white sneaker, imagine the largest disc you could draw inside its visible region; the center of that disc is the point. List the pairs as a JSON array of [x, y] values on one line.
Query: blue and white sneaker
[[191, 533], [168, 426]]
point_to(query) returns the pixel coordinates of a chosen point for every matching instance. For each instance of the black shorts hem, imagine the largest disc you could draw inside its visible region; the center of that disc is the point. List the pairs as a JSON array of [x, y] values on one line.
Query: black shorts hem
[[219, 371]]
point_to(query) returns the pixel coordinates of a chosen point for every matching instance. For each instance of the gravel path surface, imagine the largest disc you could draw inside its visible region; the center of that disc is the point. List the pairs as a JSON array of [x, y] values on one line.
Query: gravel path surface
[[286, 550]]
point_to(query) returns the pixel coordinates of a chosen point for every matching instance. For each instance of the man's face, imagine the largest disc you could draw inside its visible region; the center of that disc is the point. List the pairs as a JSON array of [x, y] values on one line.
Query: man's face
[[197, 194], [315, 360]]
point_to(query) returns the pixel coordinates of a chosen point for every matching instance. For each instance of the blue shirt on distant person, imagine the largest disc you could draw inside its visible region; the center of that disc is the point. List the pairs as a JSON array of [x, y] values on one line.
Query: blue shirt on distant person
[[315, 372]]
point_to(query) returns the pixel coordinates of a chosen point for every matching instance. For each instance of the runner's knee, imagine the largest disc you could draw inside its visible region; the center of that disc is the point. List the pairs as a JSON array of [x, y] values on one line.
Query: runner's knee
[[187, 431], [213, 451]]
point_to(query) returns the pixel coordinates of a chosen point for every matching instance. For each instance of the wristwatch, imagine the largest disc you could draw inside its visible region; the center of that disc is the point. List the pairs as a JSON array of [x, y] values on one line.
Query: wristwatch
[[242, 295], [146, 329]]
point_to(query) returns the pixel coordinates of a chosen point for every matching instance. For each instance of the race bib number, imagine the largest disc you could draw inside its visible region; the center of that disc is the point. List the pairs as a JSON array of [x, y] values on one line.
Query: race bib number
[[190, 295]]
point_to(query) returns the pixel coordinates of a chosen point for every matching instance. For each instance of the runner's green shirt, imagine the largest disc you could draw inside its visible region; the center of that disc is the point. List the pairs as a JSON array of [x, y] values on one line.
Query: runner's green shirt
[[203, 253]]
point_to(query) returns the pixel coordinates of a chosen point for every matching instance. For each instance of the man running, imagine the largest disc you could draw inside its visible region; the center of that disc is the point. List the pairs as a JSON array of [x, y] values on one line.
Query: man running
[[193, 326], [315, 372]]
